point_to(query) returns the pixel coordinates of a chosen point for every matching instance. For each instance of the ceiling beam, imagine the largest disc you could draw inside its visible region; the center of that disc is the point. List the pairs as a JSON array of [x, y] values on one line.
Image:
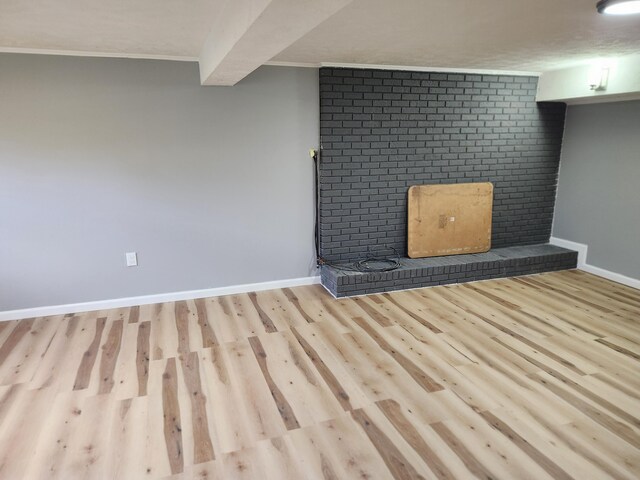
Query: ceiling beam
[[248, 33], [620, 77]]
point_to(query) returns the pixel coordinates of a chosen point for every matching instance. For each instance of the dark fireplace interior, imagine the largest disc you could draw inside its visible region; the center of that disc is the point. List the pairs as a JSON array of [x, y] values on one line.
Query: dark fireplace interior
[[384, 131]]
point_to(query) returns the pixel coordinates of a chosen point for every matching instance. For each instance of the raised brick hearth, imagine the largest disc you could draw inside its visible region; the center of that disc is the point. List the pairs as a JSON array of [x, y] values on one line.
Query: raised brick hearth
[[425, 272]]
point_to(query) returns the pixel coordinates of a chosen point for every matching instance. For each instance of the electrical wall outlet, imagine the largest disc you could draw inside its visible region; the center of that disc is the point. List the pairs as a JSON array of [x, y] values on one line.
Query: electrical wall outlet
[[132, 259]]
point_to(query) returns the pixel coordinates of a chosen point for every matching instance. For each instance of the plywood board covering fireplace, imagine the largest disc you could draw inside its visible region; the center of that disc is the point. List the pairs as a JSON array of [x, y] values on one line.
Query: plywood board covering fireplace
[[450, 219]]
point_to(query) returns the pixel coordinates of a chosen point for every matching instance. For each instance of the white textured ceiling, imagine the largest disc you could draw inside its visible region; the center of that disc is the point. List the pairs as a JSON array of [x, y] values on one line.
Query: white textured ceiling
[[150, 28], [527, 35]]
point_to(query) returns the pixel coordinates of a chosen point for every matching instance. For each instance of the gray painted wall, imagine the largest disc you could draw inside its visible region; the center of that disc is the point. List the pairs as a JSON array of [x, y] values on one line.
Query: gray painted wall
[[599, 188], [212, 186]]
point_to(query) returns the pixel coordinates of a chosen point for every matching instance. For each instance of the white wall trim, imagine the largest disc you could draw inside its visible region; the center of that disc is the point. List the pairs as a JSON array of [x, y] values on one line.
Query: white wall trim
[[79, 53], [413, 68], [582, 250], [292, 64], [158, 298], [616, 277], [180, 58], [410, 68]]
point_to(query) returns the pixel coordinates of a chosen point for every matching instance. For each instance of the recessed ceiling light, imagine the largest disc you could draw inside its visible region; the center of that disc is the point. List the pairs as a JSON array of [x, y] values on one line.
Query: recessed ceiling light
[[618, 7]]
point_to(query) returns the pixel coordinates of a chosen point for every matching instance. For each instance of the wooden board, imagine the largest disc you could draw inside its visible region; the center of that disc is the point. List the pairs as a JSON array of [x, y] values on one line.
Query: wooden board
[[450, 219]]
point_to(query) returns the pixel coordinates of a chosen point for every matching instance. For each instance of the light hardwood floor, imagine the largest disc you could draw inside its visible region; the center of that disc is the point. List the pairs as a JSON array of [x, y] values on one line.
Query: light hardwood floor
[[532, 377]]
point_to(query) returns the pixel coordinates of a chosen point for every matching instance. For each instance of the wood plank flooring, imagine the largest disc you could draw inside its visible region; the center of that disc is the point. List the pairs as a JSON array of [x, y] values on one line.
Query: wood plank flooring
[[532, 377]]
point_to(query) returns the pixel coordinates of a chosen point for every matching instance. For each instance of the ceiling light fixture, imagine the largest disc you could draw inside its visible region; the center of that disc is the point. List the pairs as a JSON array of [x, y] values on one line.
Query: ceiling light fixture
[[618, 7]]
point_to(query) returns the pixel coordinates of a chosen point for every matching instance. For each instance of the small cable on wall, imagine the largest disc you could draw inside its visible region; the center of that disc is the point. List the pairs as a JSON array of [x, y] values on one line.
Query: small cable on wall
[[373, 262]]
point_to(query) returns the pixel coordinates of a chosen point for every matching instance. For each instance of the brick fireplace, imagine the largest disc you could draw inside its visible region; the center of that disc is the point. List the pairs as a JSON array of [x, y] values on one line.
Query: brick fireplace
[[384, 131]]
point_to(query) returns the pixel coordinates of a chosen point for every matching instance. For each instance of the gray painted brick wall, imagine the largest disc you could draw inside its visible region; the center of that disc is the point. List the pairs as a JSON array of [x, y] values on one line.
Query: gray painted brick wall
[[383, 131]]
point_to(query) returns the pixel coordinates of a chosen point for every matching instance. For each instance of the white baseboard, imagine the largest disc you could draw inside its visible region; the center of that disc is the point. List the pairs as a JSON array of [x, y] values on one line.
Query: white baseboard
[[158, 298], [582, 250], [609, 275]]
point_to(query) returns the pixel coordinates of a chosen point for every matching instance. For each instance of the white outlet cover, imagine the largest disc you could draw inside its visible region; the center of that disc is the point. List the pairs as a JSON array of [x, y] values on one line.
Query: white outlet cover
[[132, 259]]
